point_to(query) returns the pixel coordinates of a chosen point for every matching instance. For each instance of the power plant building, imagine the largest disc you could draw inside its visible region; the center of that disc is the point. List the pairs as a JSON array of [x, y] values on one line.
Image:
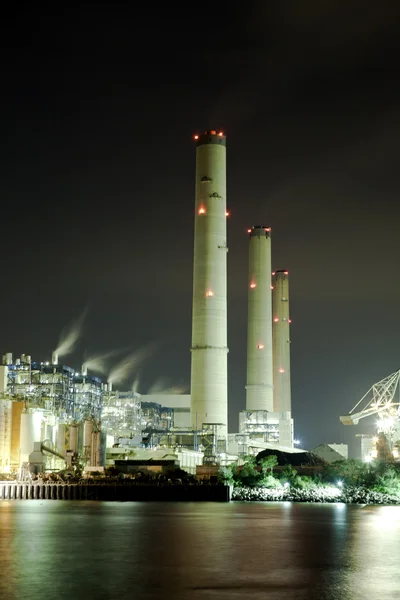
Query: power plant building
[[209, 385]]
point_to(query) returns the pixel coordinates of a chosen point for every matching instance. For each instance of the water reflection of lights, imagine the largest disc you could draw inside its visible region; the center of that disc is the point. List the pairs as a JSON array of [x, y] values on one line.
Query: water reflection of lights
[[386, 518]]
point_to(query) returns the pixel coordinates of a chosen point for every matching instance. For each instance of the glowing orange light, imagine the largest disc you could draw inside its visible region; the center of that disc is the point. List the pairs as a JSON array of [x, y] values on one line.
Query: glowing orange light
[[213, 132], [196, 137], [286, 272], [273, 273], [221, 133], [267, 228], [290, 320], [253, 285], [249, 231], [227, 213], [272, 287], [281, 370], [260, 346], [209, 293], [202, 211], [276, 320]]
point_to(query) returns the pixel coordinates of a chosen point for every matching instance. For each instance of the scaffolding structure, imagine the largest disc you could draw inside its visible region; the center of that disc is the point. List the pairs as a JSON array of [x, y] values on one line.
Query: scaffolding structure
[[121, 414], [260, 424]]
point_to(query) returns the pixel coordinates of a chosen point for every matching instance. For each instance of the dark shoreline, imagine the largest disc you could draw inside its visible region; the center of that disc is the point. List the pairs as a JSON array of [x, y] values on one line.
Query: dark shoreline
[[118, 492]]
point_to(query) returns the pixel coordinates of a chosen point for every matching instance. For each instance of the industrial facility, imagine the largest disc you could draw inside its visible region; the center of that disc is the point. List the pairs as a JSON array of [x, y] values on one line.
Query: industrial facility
[[55, 418]]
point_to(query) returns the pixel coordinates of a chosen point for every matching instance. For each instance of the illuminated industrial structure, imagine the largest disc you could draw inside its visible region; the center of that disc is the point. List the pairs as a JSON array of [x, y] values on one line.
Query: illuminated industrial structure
[[50, 409], [381, 400], [48, 404], [121, 414], [259, 386], [281, 341], [209, 384], [265, 420]]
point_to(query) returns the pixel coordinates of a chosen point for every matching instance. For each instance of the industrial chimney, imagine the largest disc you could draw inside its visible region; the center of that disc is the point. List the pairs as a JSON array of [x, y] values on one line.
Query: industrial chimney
[[209, 393], [259, 387], [281, 341]]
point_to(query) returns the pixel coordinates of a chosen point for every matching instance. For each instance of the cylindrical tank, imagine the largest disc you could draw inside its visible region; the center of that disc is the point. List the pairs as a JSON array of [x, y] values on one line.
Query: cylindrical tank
[[281, 341], [54, 358], [73, 437], [103, 448], [28, 359], [9, 358], [259, 382], [209, 393], [60, 438], [31, 431], [87, 433], [95, 450], [5, 435]]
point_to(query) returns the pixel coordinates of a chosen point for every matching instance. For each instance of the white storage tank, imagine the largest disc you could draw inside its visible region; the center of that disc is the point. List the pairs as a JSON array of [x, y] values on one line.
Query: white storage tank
[[73, 438], [60, 438], [31, 427]]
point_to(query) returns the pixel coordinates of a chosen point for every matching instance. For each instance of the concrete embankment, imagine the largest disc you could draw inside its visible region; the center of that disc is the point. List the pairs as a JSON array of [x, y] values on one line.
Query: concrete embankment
[[123, 492]]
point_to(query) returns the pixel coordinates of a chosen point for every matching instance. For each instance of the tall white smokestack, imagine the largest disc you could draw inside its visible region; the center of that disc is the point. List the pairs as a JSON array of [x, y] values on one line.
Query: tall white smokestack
[[259, 387], [209, 380], [281, 341], [54, 358]]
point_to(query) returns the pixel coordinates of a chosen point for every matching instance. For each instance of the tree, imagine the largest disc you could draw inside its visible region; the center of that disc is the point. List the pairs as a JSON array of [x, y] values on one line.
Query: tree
[[268, 463]]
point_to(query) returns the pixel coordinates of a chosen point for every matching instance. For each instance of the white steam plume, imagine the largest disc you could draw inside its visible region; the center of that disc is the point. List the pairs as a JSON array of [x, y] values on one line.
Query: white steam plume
[[163, 386], [99, 364], [131, 363], [136, 383], [70, 335]]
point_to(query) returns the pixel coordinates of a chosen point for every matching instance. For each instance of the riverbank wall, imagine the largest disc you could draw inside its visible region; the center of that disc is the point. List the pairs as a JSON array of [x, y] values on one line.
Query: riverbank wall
[[124, 492]]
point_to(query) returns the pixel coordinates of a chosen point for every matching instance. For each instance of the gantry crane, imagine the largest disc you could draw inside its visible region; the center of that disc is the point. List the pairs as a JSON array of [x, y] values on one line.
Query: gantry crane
[[380, 400]]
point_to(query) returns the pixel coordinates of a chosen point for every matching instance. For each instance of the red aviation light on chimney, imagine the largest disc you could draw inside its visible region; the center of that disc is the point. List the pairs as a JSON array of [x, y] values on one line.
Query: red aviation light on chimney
[[221, 133], [273, 273], [260, 346], [267, 228], [290, 320], [286, 272], [202, 210], [213, 132], [209, 293], [253, 285], [249, 231], [276, 319], [272, 287], [281, 370], [227, 213], [196, 137]]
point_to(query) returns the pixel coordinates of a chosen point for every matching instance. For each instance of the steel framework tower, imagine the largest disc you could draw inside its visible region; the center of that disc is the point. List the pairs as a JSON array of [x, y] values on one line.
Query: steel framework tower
[[259, 387], [209, 394], [281, 341]]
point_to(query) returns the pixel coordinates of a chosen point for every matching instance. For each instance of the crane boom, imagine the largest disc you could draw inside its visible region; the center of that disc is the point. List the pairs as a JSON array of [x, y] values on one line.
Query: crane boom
[[379, 400]]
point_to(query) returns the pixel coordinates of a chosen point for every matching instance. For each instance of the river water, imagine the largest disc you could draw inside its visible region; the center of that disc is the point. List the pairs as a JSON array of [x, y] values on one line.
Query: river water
[[198, 551]]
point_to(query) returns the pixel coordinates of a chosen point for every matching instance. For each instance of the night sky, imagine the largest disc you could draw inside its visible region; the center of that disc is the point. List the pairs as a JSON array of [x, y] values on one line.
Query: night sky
[[99, 105]]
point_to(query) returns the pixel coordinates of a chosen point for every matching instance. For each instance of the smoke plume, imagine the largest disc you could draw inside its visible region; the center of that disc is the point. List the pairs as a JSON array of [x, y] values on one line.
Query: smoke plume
[[99, 363], [163, 386], [70, 335], [130, 363]]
